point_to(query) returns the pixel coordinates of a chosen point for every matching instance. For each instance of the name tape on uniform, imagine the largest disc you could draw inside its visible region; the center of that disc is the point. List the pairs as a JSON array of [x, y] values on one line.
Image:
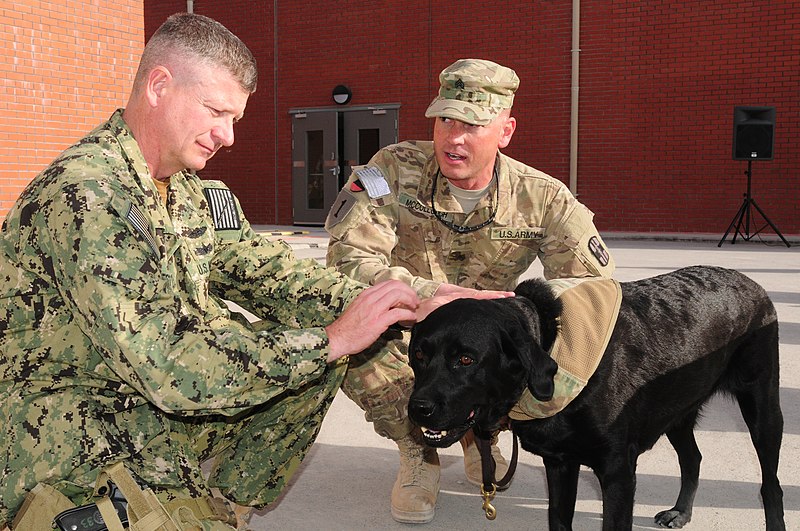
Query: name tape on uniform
[[511, 233]]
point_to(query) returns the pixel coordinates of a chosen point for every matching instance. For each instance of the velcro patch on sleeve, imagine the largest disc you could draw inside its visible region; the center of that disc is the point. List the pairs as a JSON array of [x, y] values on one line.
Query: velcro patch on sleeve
[[599, 252], [223, 208], [344, 203], [374, 181], [142, 226]]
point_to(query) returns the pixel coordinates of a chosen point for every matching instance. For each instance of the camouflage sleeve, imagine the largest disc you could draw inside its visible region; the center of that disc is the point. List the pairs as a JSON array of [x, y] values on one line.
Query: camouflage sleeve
[[264, 277], [126, 297], [363, 233], [572, 247]]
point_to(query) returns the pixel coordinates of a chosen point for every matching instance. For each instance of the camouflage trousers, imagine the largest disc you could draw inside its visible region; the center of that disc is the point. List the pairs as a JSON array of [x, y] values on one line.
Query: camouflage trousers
[[379, 380], [252, 455]]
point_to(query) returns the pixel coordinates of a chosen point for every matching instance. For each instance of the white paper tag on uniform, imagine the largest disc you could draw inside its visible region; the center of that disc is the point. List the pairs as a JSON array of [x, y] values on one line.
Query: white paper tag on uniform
[[373, 180]]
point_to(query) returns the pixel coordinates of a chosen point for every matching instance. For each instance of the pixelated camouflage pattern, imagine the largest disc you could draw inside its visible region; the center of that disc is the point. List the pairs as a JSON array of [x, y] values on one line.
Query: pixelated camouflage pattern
[[115, 343], [397, 237], [474, 91], [567, 388], [380, 380]]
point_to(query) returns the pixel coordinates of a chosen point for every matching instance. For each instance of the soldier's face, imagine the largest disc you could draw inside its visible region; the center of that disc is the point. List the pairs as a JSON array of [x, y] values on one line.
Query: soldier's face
[[466, 152], [200, 110]]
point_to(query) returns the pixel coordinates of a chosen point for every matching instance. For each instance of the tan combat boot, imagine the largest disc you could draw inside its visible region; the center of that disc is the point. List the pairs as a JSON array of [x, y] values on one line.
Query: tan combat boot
[[472, 461], [417, 485]]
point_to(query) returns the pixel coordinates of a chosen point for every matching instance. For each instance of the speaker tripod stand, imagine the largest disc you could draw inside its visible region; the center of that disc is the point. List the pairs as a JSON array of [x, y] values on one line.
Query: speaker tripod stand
[[745, 216]]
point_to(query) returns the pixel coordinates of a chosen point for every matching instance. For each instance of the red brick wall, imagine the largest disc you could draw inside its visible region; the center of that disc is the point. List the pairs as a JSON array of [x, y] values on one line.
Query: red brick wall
[[659, 81], [65, 66]]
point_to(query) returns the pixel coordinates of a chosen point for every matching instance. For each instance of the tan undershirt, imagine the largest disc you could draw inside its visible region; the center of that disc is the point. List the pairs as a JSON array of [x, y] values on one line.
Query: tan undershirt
[[162, 187], [468, 198]]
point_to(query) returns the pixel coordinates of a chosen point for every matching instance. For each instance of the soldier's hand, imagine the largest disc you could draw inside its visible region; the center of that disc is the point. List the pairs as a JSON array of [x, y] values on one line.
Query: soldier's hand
[[369, 315], [458, 292], [450, 292]]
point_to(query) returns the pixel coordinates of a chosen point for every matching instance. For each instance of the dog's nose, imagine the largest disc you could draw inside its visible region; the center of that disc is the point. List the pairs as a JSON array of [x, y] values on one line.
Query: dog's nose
[[419, 409]]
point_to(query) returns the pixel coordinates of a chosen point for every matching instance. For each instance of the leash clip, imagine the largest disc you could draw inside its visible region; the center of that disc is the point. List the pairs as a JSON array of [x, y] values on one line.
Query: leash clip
[[488, 508]]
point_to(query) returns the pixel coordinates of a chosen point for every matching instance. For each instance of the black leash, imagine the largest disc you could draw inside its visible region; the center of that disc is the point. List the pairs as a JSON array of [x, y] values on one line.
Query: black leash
[[489, 467]]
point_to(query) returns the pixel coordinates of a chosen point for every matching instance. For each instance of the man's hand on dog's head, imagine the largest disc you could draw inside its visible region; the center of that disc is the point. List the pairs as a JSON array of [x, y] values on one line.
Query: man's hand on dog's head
[[450, 292], [379, 306]]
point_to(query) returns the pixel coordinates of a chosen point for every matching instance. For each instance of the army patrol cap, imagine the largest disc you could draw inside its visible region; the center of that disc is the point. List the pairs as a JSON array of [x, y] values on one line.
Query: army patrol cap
[[474, 91]]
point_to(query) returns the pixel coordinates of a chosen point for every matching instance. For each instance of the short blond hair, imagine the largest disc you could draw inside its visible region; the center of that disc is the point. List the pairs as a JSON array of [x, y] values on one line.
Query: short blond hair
[[197, 38]]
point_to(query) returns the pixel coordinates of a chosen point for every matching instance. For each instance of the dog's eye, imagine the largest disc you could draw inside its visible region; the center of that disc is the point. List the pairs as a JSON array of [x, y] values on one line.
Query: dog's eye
[[418, 354], [465, 360]]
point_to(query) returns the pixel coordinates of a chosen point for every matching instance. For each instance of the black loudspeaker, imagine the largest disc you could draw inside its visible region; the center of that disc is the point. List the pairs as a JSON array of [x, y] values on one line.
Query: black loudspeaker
[[753, 136]]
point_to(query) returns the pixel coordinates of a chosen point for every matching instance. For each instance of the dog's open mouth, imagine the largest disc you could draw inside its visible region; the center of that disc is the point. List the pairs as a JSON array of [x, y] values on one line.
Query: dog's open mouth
[[444, 438]]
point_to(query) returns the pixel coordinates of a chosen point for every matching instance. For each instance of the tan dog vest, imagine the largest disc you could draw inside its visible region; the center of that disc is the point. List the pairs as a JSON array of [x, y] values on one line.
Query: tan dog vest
[[591, 307]]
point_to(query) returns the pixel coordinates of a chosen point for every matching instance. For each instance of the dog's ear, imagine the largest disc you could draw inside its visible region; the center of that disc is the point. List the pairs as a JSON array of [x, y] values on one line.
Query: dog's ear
[[523, 338], [541, 371]]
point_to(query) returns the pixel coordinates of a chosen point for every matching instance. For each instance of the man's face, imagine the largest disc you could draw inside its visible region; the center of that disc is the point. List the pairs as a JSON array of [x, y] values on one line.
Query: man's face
[[200, 107], [466, 152]]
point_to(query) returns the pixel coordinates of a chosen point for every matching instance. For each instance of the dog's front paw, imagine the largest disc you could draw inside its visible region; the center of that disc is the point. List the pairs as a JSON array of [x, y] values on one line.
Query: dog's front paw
[[673, 518]]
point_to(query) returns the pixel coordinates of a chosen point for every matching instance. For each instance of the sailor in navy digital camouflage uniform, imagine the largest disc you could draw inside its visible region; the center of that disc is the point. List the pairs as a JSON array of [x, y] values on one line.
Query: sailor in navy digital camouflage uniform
[[119, 358]]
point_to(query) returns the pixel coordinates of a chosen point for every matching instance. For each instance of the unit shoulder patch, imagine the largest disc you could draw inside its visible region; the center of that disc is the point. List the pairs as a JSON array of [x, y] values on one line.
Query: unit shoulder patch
[[599, 252], [344, 203]]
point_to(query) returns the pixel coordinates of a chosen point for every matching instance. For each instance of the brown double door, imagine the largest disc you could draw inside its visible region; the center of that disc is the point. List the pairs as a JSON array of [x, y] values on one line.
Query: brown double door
[[326, 144]]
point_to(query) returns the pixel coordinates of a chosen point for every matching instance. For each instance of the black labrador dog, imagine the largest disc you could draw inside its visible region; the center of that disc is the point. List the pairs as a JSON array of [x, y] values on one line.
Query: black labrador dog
[[679, 339]]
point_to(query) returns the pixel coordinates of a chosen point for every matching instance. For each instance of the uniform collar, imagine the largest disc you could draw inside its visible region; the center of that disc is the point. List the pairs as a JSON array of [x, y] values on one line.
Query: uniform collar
[[444, 200], [141, 172]]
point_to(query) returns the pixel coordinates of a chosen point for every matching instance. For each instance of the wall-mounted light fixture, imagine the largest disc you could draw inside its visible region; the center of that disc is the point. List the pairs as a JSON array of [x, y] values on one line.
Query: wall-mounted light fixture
[[342, 94]]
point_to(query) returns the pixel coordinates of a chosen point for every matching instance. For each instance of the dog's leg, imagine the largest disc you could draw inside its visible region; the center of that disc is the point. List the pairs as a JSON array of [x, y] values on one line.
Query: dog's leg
[[682, 439], [618, 484], [562, 491], [766, 429], [759, 403]]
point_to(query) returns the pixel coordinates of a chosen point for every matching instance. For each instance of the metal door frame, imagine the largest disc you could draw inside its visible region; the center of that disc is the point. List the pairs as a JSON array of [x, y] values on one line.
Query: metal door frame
[[301, 213]]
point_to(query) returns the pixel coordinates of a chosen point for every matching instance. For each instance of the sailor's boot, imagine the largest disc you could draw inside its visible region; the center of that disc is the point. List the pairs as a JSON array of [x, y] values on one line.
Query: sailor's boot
[[472, 461], [417, 485]]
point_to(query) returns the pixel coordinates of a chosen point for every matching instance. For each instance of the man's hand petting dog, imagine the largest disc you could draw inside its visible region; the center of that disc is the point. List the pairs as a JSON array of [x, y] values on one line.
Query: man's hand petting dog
[[386, 303], [450, 292]]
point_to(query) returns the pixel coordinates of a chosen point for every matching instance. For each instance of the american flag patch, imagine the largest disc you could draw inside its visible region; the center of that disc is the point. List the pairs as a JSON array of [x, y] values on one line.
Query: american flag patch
[[223, 209], [141, 225]]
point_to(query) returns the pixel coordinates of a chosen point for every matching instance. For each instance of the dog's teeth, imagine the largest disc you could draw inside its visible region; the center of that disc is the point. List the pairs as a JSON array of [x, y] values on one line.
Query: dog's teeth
[[434, 434]]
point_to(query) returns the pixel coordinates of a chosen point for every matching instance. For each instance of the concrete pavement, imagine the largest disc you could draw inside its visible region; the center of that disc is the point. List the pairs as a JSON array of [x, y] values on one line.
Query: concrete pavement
[[346, 481]]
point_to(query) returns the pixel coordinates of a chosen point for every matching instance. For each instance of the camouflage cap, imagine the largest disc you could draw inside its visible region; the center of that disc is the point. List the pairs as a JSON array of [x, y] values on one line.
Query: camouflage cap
[[474, 91]]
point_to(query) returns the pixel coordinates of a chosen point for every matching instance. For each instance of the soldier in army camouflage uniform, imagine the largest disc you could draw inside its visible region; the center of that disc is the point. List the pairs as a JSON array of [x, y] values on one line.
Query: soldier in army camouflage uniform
[[115, 342], [451, 216]]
